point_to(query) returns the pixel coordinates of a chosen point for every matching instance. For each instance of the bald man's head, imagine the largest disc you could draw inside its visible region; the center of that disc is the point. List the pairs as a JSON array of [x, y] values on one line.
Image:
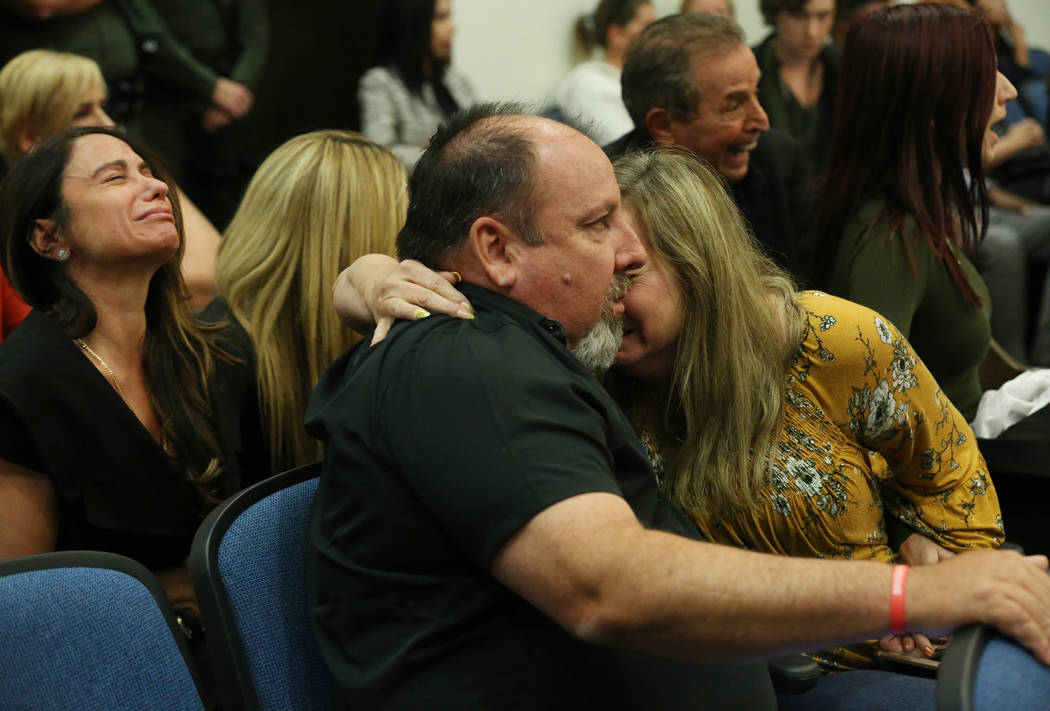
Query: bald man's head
[[482, 161], [479, 162]]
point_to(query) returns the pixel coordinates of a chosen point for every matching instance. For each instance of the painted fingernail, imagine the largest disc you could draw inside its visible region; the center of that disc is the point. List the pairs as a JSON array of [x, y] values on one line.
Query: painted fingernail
[[420, 313], [928, 651], [463, 313]]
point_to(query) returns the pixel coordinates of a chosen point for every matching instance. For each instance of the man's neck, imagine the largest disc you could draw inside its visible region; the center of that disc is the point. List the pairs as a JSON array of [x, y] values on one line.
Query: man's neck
[[795, 62]]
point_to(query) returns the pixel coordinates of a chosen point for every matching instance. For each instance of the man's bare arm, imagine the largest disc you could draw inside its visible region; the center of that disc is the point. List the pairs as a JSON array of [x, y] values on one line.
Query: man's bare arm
[[589, 564]]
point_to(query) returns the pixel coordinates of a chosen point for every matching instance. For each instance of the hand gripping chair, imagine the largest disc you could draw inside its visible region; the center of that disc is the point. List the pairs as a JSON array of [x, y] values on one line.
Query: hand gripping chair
[[247, 563], [90, 631]]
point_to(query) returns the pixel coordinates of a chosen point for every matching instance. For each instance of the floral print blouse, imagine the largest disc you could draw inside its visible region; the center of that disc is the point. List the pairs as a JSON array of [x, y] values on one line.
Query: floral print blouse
[[867, 432]]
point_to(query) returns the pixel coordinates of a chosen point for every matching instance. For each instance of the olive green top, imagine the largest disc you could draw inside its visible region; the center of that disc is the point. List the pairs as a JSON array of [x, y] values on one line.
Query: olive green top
[[872, 268]]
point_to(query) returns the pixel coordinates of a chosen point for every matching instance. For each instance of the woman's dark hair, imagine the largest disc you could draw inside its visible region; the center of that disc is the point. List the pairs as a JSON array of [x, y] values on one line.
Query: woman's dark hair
[[404, 41], [593, 30], [910, 123], [33, 191], [770, 8], [179, 355]]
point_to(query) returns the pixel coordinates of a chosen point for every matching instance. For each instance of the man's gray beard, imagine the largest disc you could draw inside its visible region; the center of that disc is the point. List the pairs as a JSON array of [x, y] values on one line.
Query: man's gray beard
[[597, 350]]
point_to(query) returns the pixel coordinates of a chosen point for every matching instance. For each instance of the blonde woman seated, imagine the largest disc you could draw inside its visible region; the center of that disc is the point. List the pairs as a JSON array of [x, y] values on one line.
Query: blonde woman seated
[[315, 204], [785, 422], [42, 93]]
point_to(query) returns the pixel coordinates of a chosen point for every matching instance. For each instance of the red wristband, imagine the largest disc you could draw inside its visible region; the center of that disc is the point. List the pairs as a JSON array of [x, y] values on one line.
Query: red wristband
[[898, 584]]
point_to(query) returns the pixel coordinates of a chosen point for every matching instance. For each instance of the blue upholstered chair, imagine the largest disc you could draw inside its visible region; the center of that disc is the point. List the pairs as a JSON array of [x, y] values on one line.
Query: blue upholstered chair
[[89, 631], [982, 671], [247, 564]]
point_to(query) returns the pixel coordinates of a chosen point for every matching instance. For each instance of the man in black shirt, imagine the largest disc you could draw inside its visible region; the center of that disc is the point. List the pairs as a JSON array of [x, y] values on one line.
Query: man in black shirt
[[487, 534], [464, 432], [691, 80]]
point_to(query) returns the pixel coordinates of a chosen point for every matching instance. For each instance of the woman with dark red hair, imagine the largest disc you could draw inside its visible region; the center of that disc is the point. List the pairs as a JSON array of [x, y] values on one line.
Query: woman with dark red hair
[[904, 204], [904, 207]]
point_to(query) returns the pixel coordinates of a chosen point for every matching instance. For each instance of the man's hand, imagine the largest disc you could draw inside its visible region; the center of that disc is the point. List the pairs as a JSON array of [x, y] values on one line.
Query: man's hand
[[998, 588], [1027, 133], [215, 118], [232, 97]]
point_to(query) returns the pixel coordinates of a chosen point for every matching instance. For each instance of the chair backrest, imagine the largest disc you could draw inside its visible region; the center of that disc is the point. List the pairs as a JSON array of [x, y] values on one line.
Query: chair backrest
[[982, 671], [90, 631], [247, 563]]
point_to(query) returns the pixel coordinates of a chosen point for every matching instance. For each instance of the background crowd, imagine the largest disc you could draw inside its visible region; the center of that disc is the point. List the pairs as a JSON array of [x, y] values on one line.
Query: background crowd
[[180, 200]]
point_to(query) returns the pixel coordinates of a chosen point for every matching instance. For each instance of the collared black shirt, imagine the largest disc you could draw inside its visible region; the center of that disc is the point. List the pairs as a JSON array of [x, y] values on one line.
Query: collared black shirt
[[441, 443], [772, 196]]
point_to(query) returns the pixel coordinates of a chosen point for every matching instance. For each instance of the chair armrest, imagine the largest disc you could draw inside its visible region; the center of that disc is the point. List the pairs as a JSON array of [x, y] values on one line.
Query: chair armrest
[[793, 673]]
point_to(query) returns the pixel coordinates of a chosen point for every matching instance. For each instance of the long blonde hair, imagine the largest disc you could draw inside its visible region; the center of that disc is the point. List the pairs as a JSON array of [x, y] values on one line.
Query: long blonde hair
[[742, 324], [41, 90], [316, 203]]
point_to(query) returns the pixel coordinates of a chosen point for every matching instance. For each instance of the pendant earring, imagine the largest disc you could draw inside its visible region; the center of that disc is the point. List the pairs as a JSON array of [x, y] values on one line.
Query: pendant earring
[[63, 255]]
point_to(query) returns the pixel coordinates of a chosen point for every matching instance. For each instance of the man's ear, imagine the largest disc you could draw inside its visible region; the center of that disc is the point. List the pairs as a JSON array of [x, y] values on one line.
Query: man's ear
[[45, 239], [494, 245], [26, 139], [658, 123]]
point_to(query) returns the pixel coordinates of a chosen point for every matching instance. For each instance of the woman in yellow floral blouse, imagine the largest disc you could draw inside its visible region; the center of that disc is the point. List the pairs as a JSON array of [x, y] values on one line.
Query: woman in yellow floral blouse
[[785, 422]]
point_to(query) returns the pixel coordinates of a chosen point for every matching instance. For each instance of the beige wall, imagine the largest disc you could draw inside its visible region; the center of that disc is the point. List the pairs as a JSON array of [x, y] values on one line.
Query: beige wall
[[518, 50]]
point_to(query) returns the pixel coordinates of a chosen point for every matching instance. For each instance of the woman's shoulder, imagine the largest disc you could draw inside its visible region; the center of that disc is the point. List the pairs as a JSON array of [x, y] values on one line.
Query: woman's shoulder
[[826, 317], [229, 333], [585, 75], [836, 314], [836, 329], [592, 68], [379, 77], [875, 219], [876, 239], [460, 86], [37, 347], [766, 57], [865, 218], [815, 301]]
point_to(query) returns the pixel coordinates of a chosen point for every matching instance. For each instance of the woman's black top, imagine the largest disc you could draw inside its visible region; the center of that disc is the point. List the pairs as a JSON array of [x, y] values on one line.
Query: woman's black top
[[117, 490]]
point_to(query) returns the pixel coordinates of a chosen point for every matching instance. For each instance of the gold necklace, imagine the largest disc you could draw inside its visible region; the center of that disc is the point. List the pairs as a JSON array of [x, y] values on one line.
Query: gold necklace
[[116, 383], [112, 376]]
